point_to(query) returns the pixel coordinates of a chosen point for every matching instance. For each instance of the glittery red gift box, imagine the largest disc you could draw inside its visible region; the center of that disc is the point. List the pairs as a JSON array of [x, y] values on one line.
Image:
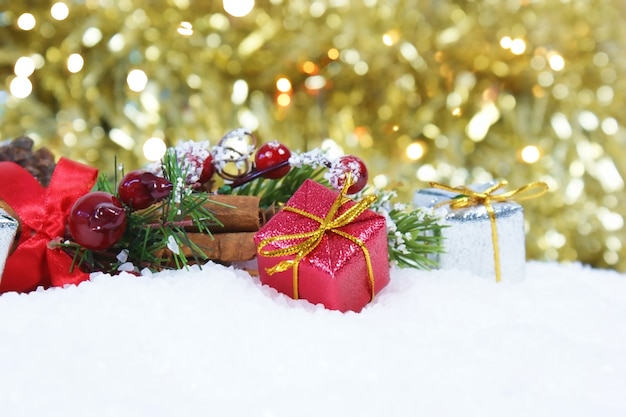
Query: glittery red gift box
[[335, 272]]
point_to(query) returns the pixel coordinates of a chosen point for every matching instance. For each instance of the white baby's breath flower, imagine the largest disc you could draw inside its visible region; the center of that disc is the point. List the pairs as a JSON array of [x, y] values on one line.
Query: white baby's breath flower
[[338, 172], [315, 158], [220, 158], [391, 225], [400, 206], [126, 267], [179, 190], [190, 156], [172, 245], [123, 255]]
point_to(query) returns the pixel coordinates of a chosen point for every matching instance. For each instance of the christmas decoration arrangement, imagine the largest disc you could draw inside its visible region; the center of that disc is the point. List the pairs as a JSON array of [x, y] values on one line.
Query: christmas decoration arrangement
[[310, 221], [440, 91], [315, 227]]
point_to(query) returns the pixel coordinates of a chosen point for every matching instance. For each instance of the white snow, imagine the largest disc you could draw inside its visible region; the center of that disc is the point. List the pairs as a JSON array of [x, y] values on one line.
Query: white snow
[[217, 343]]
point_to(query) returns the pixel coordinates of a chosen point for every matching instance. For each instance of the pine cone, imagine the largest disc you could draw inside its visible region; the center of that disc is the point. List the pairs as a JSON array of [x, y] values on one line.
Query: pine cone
[[39, 163]]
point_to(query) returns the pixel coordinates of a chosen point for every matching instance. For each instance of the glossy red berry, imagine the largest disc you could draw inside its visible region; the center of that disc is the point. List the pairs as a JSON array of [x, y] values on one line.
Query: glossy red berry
[[140, 189], [349, 164], [97, 220], [208, 169], [270, 155]]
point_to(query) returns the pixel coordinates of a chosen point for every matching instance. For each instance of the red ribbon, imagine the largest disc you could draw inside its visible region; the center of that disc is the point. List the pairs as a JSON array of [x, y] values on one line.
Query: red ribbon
[[43, 214]]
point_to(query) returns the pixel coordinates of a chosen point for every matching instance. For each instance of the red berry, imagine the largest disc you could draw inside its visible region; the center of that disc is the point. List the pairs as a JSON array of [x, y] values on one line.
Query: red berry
[[349, 164], [270, 155], [97, 220], [208, 169], [140, 189]]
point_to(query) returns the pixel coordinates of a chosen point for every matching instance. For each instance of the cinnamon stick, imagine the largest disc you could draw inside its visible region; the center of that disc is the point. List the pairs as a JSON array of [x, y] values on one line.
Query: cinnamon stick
[[224, 247], [237, 213]]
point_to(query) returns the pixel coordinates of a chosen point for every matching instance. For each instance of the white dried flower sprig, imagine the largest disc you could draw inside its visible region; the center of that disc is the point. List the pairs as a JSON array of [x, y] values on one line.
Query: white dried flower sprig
[[315, 158], [190, 155]]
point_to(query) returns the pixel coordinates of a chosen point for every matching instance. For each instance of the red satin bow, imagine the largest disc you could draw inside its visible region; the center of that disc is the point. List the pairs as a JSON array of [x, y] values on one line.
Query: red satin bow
[[43, 215]]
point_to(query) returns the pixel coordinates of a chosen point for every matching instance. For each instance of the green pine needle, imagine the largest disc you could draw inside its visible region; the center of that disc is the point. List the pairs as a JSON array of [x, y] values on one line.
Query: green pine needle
[[416, 240], [279, 191]]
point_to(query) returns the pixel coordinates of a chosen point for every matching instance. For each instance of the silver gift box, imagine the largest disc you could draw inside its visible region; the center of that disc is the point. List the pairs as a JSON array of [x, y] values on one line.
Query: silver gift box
[[468, 241], [8, 228]]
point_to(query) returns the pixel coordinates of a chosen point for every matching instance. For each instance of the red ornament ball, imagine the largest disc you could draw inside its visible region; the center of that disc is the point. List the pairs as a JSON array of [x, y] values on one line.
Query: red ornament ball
[[141, 189], [349, 164], [97, 220], [270, 155]]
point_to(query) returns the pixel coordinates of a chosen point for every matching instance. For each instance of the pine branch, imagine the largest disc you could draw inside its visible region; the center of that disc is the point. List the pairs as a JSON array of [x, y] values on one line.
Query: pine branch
[[279, 191], [155, 236], [181, 205], [415, 240], [413, 234]]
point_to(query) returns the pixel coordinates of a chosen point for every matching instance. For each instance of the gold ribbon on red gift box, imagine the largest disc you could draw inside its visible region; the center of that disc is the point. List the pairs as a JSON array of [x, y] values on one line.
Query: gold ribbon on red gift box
[[312, 239]]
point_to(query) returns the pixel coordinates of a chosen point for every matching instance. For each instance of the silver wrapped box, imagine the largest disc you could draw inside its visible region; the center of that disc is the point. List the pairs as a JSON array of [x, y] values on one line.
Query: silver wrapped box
[[8, 228], [469, 238]]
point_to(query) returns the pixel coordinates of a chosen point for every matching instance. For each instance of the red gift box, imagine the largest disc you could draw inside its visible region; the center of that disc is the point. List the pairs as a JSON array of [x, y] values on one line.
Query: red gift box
[[325, 248]]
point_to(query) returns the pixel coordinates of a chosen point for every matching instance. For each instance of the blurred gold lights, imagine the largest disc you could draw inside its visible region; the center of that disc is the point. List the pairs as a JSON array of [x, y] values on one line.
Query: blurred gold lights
[[75, 63], [238, 8], [530, 154], [21, 87], [312, 84], [26, 21], [283, 86], [59, 11], [154, 148], [438, 100], [137, 80], [24, 66], [185, 29], [517, 46], [415, 151]]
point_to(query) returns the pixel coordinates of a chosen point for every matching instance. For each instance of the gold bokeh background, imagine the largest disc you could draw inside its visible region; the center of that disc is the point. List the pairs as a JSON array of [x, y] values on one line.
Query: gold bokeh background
[[452, 91]]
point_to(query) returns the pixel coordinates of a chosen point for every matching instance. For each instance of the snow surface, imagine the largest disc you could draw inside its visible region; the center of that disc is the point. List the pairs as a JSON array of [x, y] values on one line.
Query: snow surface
[[217, 343]]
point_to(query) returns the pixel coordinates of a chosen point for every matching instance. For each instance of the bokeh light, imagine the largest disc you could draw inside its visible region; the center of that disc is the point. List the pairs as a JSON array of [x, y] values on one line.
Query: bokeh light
[[185, 29], [238, 8], [415, 151], [59, 11], [20, 87], [283, 85], [26, 21], [530, 154], [137, 80], [75, 63], [154, 149], [283, 99], [24, 66]]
